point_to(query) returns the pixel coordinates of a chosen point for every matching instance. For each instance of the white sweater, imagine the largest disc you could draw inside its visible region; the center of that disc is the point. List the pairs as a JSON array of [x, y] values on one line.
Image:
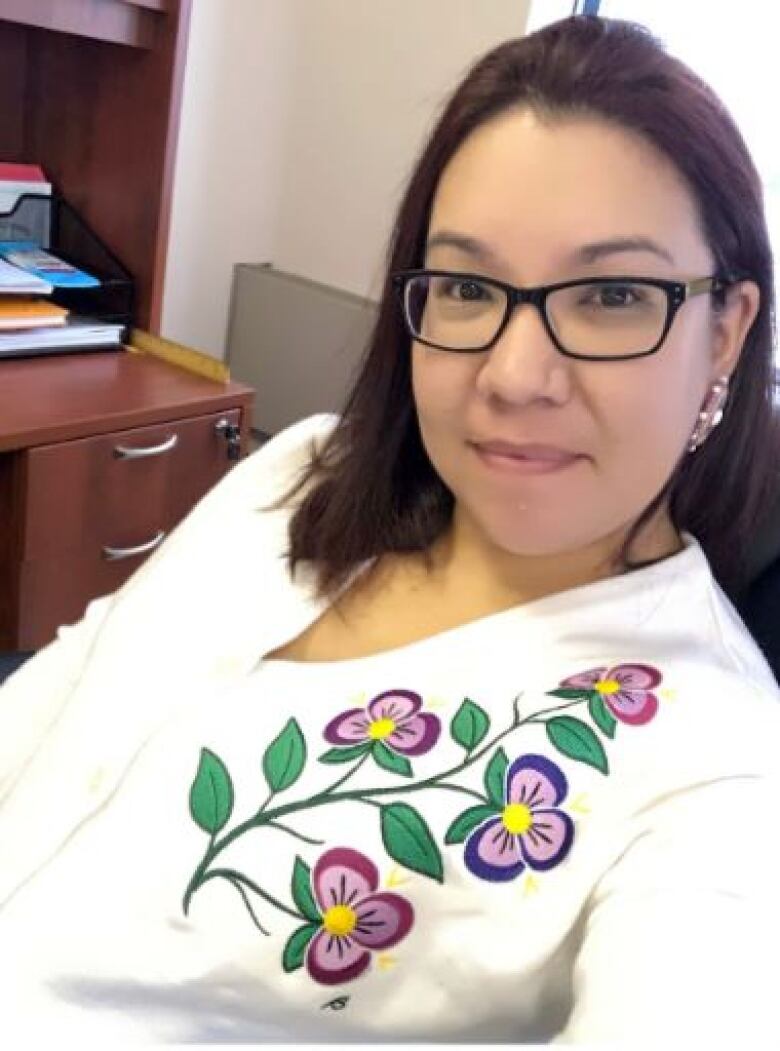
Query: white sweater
[[431, 843]]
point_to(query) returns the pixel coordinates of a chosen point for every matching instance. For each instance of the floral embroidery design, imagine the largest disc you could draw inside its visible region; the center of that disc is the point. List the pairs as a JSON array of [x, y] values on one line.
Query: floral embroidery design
[[529, 830], [517, 822], [625, 690], [353, 920], [391, 729]]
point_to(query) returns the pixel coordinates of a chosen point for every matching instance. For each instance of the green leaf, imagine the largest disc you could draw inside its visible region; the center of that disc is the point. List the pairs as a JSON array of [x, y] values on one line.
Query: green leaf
[[568, 694], [211, 794], [495, 777], [469, 725], [301, 891], [344, 755], [390, 760], [576, 740], [408, 840], [285, 758], [465, 823], [601, 715], [297, 943]]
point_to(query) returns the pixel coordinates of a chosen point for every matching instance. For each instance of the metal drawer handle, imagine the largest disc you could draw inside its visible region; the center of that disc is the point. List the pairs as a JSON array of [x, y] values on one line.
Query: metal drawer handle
[[124, 452], [114, 554]]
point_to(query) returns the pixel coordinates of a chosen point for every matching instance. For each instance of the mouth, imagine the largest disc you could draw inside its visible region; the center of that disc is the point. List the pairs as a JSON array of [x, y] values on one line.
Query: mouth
[[532, 460]]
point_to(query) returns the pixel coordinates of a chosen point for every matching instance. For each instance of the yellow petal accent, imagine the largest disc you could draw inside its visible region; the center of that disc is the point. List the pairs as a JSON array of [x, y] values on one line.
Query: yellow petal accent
[[395, 878], [668, 695], [435, 702], [530, 886], [580, 804], [385, 961]]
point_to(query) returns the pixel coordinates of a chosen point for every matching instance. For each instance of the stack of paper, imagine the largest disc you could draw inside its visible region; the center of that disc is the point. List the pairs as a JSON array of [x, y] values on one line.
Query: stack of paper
[[21, 312], [78, 333], [15, 281]]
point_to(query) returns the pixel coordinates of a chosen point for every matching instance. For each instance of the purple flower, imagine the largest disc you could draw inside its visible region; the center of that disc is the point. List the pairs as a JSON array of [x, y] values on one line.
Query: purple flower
[[625, 690], [392, 717], [529, 830], [356, 920]]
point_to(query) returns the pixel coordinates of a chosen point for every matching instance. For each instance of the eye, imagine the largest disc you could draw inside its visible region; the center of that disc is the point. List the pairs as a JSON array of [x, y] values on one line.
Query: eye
[[465, 290], [612, 297]]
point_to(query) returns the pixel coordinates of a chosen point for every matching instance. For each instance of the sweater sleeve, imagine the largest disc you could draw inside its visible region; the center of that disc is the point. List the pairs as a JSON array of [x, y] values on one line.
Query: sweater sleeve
[[32, 698], [681, 933]]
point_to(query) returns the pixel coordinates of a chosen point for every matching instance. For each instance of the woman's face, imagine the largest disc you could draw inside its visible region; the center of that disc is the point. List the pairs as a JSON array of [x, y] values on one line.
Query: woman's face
[[534, 195]]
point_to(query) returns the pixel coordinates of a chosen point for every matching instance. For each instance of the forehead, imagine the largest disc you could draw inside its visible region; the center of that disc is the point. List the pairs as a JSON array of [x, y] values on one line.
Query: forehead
[[534, 190]]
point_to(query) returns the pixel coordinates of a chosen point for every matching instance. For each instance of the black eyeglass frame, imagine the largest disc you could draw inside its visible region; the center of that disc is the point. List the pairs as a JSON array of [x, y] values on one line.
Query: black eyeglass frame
[[677, 293]]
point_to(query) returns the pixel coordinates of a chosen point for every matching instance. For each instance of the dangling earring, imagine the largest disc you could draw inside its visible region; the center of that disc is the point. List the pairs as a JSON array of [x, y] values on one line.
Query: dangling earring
[[710, 415]]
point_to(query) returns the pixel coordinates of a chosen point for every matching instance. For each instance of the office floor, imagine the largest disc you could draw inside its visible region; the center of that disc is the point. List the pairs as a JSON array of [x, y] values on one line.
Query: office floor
[[9, 662]]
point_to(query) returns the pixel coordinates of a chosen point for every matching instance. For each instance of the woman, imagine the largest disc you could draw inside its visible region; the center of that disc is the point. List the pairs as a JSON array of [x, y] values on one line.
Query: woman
[[434, 721]]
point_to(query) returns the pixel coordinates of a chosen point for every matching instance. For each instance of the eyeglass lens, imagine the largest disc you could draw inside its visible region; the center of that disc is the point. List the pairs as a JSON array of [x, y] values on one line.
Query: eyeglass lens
[[600, 319]]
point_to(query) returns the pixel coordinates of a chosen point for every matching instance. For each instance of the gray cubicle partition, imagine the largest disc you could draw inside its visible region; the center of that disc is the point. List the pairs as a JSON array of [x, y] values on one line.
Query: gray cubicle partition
[[297, 342]]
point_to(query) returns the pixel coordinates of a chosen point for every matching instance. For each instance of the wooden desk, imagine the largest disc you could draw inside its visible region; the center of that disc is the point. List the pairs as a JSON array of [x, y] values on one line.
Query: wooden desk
[[101, 454]]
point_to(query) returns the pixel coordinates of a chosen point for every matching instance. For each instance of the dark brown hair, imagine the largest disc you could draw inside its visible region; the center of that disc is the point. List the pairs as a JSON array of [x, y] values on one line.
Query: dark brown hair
[[374, 489]]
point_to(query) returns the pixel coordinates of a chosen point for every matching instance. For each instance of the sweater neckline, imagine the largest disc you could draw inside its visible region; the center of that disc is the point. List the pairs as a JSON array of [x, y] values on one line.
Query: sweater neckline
[[539, 616]]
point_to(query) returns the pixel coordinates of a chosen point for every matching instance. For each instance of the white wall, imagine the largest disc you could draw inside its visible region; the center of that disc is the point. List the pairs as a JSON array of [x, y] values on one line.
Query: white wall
[[300, 123]]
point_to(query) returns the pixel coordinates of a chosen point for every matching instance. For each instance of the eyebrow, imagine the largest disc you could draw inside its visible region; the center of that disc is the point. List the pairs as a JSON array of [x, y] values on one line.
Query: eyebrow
[[587, 253]]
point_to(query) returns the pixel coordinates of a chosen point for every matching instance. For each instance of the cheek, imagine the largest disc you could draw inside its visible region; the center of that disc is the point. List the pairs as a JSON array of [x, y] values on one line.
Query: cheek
[[442, 385], [652, 414]]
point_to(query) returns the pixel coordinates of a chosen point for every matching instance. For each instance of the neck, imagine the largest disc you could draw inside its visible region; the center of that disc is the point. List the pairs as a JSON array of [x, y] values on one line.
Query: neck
[[465, 556]]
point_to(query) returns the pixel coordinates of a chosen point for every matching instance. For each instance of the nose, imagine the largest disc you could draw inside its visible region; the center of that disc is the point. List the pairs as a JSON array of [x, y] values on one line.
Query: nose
[[524, 364]]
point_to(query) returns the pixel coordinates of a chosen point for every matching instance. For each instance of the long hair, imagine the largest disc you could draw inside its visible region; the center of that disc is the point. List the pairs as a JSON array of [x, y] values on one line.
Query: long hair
[[371, 487]]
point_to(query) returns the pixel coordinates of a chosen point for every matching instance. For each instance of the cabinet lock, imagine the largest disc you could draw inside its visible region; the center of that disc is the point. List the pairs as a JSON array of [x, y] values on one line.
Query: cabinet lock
[[232, 435]]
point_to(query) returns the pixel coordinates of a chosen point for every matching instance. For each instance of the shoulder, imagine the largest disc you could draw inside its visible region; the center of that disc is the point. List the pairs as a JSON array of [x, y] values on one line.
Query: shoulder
[[705, 725]]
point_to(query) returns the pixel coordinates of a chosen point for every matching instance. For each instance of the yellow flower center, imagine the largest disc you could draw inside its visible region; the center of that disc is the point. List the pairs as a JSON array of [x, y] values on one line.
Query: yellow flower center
[[517, 818], [380, 729], [608, 686], [339, 920]]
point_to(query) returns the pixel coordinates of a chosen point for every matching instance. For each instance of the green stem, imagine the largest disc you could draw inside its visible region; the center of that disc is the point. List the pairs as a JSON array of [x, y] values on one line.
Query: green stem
[[198, 874], [465, 791], [232, 876], [236, 884], [298, 835], [349, 773], [535, 718]]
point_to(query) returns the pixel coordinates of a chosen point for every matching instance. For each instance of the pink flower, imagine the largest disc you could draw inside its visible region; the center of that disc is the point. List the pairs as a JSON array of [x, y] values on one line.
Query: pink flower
[[356, 920], [625, 690], [392, 717]]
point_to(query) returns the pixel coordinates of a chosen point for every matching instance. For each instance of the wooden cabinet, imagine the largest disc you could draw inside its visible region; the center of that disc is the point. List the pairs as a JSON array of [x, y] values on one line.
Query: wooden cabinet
[[101, 455], [91, 91]]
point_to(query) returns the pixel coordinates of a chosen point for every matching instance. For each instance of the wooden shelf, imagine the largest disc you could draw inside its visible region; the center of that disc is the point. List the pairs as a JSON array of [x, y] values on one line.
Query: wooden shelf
[[130, 22], [102, 120]]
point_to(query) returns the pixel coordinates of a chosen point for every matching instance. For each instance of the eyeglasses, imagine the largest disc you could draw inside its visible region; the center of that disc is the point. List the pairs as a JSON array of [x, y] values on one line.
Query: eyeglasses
[[594, 318]]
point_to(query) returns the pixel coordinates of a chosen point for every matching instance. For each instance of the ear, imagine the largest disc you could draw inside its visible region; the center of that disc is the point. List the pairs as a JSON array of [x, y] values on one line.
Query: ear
[[731, 324]]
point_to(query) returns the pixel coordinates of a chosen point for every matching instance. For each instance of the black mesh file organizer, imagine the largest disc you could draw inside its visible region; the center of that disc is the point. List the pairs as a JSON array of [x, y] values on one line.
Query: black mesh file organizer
[[58, 228]]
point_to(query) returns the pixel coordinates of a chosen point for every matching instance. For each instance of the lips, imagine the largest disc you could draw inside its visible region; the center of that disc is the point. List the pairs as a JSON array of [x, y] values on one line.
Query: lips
[[539, 453]]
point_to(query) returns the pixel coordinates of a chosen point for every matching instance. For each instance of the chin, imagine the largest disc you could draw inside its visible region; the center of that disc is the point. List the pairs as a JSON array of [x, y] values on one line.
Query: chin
[[535, 541]]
